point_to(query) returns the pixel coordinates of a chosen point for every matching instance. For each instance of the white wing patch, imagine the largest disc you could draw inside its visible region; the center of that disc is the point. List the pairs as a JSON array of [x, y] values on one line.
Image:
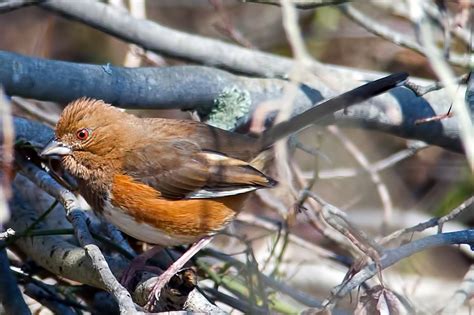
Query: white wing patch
[[206, 193]]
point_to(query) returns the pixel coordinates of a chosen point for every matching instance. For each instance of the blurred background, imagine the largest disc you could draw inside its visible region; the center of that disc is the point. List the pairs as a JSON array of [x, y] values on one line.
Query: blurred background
[[430, 183]]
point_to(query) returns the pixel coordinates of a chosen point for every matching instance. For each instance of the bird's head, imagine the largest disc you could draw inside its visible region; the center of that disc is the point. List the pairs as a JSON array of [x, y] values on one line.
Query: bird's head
[[89, 137]]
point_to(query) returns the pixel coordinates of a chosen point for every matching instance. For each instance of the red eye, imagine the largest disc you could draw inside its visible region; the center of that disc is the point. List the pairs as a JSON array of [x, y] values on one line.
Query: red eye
[[82, 134]]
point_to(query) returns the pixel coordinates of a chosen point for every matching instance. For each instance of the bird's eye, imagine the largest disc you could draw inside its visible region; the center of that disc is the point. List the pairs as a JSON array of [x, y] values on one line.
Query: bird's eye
[[82, 134]]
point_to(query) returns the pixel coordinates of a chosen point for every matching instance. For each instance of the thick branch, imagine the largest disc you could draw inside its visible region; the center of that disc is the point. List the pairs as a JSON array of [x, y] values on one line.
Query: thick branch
[[169, 42], [54, 253], [10, 295], [76, 216], [10, 5], [392, 116], [203, 89], [140, 87]]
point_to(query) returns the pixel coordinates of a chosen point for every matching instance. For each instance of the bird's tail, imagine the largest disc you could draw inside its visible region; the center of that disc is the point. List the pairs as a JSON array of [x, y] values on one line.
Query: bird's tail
[[316, 113]]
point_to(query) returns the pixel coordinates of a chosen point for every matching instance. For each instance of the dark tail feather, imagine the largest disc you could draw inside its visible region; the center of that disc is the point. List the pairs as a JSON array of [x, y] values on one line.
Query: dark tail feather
[[330, 106]]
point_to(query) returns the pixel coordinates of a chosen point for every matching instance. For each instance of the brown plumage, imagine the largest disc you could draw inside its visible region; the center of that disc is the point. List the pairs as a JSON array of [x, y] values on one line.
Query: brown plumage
[[181, 177], [168, 181], [193, 217]]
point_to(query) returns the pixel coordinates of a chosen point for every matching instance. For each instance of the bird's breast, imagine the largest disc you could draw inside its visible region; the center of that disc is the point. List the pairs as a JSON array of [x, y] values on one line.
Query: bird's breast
[[141, 230], [140, 211]]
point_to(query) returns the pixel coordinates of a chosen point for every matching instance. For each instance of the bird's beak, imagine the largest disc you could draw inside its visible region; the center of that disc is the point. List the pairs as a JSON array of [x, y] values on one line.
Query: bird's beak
[[56, 148]]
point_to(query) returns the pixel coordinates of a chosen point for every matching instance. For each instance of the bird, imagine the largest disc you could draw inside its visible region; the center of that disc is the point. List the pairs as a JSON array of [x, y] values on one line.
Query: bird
[[173, 182]]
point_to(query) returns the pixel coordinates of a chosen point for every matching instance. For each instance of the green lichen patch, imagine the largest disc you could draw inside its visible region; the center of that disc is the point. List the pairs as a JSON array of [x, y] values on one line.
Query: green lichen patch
[[231, 105]]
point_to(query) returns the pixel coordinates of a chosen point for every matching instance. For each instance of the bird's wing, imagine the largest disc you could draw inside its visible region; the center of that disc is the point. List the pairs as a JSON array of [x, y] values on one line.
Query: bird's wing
[[181, 169]]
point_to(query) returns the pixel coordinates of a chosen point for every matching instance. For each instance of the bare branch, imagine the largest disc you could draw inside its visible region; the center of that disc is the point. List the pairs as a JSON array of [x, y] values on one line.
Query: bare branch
[[10, 295], [298, 295], [203, 87], [446, 76], [430, 223], [10, 5], [401, 8], [31, 108], [77, 218], [382, 189], [392, 256], [152, 36], [387, 33], [462, 294], [6, 154], [301, 4], [383, 164], [47, 299]]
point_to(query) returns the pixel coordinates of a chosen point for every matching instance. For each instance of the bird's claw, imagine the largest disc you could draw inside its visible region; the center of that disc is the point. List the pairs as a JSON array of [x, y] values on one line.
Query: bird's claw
[[154, 295]]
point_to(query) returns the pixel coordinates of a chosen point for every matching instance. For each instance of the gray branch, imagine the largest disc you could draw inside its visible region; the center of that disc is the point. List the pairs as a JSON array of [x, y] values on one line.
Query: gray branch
[[395, 115], [77, 218], [58, 254], [10, 5], [211, 91], [48, 299], [169, 42], [398, 38], [392, 256], [301, 4], [10, 295]]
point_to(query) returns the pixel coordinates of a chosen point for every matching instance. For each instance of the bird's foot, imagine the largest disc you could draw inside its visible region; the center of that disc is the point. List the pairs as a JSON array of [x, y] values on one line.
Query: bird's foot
[[160, 284], [139, 264], [166, 276]]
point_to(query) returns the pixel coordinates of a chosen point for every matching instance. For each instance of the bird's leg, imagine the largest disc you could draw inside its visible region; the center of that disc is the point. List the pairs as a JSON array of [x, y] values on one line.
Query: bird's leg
[[138, 263], [439, 117], [166, 276]]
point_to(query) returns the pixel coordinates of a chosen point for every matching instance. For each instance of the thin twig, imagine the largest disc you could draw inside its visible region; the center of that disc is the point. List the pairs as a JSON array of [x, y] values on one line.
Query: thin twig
[[7, 138], [48, 299], [253, 220], [134, 54], [454, 213], [430, 223], [356, 236], [400, 39], [413, 148], [301, 4], [313, 214], [435, 86], [392, 256], [401, 8], [77, 219], [446, 76], [462, 294], [34, 110], [336, 218], [235, 285], [302, 60], [284, 288], [382, 189], [226, 25]]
